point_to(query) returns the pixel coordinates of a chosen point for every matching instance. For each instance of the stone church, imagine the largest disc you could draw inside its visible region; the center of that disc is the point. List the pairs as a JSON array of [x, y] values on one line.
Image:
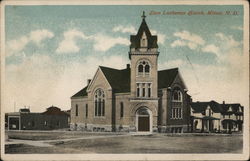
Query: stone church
[[138, 98]]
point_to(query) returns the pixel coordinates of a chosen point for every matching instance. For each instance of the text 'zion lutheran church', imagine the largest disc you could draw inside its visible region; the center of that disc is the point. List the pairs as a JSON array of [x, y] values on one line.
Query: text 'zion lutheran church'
[[137, 98]]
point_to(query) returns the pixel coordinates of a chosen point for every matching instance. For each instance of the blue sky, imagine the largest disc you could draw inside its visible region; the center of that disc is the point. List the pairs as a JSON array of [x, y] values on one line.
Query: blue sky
[[52, 50]]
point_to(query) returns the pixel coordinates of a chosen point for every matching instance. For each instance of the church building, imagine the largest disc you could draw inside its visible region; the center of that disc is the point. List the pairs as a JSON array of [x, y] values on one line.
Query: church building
[[139, 98]]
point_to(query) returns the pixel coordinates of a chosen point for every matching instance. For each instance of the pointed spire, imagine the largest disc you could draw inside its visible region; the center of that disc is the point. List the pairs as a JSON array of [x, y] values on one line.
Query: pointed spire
[[143, 15]]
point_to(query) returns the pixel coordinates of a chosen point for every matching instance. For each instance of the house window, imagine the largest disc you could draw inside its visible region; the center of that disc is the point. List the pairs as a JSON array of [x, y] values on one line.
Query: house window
[[143, 68], [45, 123], [86, 114], [57, 123], [99, 102], [177, 103], [143, 90], [122, 110], [76, 109]]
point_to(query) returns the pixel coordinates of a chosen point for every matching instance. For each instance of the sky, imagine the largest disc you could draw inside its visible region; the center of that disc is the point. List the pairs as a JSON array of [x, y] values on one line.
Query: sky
[[51, 51]]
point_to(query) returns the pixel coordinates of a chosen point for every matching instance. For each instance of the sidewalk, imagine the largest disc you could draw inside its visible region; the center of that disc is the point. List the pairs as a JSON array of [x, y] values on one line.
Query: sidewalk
[[45, 143]]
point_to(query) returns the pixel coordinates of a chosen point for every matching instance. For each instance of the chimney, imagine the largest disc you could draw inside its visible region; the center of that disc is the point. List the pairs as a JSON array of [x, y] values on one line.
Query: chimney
[[88, 81], [128, 66], [223, 102]]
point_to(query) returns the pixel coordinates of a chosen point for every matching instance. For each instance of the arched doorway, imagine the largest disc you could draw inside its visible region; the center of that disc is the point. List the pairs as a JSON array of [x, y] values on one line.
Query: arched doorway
[[144, 120]]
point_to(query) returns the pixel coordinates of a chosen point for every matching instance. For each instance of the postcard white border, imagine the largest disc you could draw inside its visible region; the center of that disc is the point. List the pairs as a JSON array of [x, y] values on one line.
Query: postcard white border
[[221, 156]]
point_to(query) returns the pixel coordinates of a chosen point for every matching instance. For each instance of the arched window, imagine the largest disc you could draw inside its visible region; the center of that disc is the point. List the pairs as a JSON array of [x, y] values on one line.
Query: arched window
[[143, 68], [177, 103], [140, 68], [147, 68], [177, 96], [99, 102]]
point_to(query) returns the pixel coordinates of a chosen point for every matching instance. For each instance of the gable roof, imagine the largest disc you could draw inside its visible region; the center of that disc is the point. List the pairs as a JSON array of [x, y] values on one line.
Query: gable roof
[[81, 93], [54, 111], [135, 39], [236, 107], [120, 80], [166, 77], [199, 107]]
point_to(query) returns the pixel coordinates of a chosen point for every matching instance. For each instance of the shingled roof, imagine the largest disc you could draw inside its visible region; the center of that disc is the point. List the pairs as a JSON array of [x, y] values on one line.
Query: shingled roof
[[120, 80], [81, 93], [236, 107], [199, 107], [52, 110], [135, 39], [166, 77]]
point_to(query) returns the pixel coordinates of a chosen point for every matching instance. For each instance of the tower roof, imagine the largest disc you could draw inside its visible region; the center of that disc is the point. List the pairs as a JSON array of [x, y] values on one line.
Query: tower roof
[[135, 39]]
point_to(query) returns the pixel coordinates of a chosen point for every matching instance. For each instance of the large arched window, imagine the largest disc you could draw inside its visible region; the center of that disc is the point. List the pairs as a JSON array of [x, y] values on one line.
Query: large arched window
[[143, 68], [99, 102], [177, 103]]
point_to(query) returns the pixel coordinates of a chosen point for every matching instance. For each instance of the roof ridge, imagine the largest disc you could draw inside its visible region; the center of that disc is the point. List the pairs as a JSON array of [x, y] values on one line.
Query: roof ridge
[[168, 69], [108, 67]]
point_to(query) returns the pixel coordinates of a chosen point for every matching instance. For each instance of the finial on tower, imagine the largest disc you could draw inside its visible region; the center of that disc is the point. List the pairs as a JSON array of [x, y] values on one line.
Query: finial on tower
[[143, 15]]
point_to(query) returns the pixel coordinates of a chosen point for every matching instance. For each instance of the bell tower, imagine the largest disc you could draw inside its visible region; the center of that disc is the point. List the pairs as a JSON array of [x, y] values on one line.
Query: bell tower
[[143, 55]]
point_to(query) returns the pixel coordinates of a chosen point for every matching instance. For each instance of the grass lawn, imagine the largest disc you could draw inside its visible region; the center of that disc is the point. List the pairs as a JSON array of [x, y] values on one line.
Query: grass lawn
[[159, 144], [156, 143]]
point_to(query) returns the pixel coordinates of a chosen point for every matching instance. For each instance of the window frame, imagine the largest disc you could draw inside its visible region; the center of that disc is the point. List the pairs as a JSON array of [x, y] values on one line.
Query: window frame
[[99, 103], [121, 110], [143, 63], [177, 104], [76, 110], [144, 89]]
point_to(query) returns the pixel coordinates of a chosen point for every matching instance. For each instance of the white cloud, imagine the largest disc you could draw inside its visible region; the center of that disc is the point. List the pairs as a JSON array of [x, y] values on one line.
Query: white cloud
[[178, 43], [101, 42], [227, 40], [39, 35], [36, 36], [68, 44], [188, 39], [161, 37], [185, 35], [50, 83], [104, 42], [124, 29], [212, 49]]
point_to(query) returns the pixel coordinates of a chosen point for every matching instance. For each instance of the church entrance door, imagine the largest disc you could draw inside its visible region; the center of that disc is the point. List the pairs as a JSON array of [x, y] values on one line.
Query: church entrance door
[[143, 123], [143, 119]]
